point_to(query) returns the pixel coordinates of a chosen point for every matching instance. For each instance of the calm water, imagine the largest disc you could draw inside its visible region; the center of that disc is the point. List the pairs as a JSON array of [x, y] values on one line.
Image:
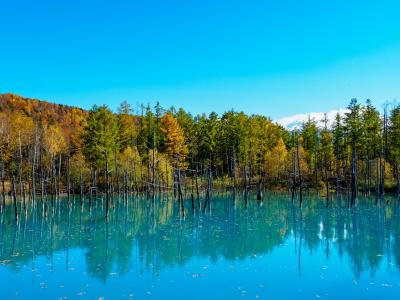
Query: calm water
[[146, 251]]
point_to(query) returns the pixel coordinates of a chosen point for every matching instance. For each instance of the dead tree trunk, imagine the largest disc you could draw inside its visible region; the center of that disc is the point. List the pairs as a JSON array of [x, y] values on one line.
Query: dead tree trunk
[[182, 208], [260, 189], [117, 173], [397, 179], [21, 186], [3, 185], [326, 180], [81, 187], [59, 173], [68, 177], [354, 178], [106, 187], [33, 190], [293, 175], [300, 176], [197, 190], [14, 196]]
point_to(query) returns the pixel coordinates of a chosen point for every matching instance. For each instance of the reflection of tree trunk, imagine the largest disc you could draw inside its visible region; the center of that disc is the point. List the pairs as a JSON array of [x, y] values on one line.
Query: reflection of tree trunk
[[300, 240], [327, 221], [106, 254], [294, 221], [68, 233]]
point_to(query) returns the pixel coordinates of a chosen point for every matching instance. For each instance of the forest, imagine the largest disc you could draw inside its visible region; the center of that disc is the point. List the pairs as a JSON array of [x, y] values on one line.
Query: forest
[[48, 150]]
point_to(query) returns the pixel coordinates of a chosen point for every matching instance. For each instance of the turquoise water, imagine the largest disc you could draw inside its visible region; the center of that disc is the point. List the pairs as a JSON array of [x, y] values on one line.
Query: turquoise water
[[270, 250]]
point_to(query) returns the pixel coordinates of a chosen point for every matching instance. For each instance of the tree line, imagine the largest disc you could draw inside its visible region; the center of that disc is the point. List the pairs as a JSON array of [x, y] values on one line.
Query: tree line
[[47, 150]]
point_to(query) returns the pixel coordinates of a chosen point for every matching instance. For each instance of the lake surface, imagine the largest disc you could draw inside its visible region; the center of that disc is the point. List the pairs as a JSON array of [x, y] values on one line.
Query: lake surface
[[269, 250]]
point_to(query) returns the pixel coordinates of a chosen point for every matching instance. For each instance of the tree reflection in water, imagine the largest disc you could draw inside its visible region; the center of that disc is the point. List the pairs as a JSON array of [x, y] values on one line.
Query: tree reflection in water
[[151, 235]]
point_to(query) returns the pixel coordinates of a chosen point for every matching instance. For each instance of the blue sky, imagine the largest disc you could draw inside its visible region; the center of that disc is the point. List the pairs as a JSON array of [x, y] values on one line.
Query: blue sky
[[276, 58]]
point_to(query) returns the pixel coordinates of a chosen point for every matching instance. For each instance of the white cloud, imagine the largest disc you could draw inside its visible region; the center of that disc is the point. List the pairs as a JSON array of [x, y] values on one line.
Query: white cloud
[[295, 121]]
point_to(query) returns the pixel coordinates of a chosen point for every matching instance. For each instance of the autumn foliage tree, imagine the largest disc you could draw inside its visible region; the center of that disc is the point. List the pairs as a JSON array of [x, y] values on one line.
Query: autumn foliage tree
[[173, 139]]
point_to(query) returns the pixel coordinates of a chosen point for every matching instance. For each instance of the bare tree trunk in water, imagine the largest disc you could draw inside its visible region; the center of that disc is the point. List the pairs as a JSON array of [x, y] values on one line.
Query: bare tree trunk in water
[[81, 187], [21, 186], [397, 179], [68, 176], [3, 185], [107, 191], [293, 175], [197, 190], [338, 177], [33, 190], [14, 195], [326, 180], [300, 176], [234, 170], [192, 195], [354, 178], [59, 173], [182, 208]]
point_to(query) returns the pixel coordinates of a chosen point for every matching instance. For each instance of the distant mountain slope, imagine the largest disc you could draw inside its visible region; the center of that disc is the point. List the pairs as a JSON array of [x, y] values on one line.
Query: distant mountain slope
[[71, 119]]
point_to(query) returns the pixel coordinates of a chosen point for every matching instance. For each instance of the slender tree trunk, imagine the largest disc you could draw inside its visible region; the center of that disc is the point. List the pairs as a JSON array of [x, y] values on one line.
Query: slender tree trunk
[[3, 185], [192, 195], [182, 208], [397, 179], [21, 186], [293, 175], [354, 178], [81, 187], [369, 174], [260, 188], [197, 191], [59, 173], [300, 176], [326, 179], [117, 173], [68, 176], [234, 170], [33, 190], [14, 196], [338, 177], [107, 189]]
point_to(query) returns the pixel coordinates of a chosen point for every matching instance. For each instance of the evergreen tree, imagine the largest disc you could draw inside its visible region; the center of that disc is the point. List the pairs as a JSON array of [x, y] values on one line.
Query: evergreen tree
[[101, 135]]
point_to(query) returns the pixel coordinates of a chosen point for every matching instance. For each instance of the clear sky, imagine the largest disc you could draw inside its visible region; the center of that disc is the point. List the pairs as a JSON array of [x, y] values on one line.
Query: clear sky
[[276, 58]]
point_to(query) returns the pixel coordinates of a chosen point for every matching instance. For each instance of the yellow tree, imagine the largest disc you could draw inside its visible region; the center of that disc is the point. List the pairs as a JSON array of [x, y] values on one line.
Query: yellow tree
[[5, 137], [174, 140], [275, 159], [54, 139]]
